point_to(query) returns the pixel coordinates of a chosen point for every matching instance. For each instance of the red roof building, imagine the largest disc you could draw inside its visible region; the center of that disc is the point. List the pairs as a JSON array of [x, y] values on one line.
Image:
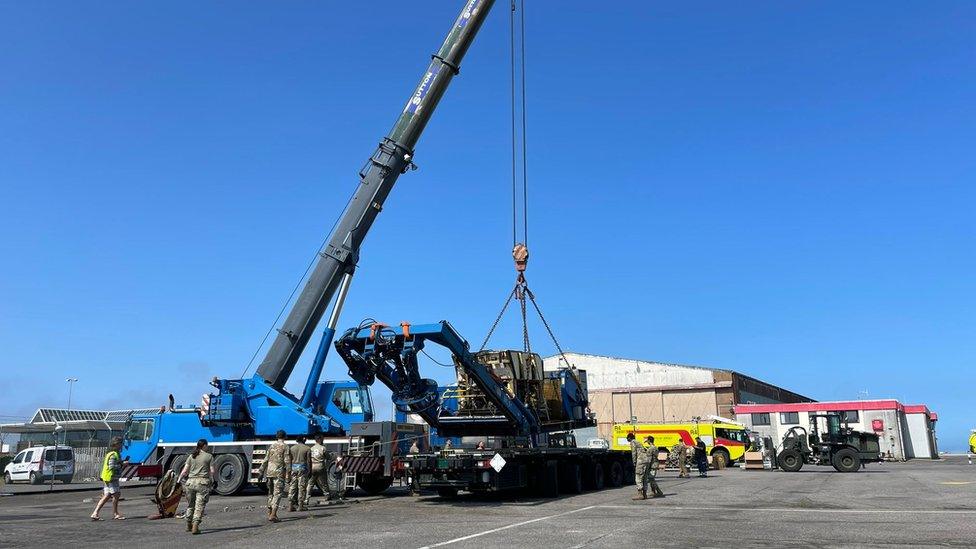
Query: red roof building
[[905, 431]]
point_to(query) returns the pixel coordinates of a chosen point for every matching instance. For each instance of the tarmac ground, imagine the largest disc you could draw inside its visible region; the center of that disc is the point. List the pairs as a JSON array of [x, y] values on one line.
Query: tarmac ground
[[918, 503]]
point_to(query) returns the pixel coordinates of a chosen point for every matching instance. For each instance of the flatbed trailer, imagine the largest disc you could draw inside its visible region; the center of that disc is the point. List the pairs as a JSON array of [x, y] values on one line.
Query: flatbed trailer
[[544, 472]]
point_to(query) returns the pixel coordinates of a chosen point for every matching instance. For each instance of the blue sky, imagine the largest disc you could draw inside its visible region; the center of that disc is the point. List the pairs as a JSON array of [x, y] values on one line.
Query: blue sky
[[785, 190]]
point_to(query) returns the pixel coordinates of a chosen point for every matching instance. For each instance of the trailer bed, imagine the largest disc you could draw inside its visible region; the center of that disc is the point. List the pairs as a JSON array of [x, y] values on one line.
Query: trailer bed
[[545, 471]]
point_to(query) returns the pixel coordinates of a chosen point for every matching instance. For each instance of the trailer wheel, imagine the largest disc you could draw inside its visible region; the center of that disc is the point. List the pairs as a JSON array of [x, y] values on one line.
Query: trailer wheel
[[572, 479], [595, 476], [790, 460], [373, 484], [230, 473], [447, 492], [550, 479], [846, 460], [615, 478]]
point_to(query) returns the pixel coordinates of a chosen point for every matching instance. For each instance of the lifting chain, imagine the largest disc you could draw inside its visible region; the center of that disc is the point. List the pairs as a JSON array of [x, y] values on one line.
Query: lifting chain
[[521, 291]]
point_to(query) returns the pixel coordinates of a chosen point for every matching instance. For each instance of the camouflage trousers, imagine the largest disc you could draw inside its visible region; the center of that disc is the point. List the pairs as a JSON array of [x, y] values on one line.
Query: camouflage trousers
[[644, 476], [298, 489], [276, 491], [325, 480], [197, 495]]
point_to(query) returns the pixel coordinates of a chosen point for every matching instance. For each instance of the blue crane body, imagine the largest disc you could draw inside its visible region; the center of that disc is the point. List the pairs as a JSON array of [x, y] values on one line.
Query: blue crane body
[[243, 415]]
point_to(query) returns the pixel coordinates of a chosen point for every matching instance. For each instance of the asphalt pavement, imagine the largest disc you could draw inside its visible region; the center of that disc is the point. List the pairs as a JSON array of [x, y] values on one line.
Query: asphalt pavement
[[918, 503]]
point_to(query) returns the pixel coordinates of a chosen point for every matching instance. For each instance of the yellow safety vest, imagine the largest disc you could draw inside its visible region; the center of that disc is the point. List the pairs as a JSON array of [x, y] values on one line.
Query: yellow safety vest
[[108, 474]]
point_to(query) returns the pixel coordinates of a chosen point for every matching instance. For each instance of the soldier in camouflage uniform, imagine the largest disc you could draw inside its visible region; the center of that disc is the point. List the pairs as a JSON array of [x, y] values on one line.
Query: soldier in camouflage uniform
[[321, 461], [650, 471], [639, 454], [680, 449], [301, 466], [276, 468]]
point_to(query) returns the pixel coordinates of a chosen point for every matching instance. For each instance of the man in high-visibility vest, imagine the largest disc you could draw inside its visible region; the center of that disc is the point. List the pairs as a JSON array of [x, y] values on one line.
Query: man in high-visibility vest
[[111, 469]]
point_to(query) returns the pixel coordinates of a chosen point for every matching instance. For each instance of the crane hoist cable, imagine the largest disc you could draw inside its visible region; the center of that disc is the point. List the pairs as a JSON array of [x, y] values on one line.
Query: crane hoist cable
[[520, 250]]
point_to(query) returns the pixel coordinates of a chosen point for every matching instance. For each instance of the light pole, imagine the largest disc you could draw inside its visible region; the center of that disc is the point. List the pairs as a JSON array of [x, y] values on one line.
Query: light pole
[[64, 437], [71, 383]]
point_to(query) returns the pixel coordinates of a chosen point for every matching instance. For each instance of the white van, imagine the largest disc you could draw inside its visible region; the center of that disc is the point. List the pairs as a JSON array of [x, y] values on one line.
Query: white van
[[40, 463]]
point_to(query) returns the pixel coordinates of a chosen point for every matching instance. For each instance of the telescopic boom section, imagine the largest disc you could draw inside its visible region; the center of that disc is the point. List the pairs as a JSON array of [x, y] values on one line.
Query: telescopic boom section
[[392, 158]]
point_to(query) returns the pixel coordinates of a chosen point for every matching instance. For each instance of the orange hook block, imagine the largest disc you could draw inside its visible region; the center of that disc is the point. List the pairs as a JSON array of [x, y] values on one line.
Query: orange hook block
[[520, 253]]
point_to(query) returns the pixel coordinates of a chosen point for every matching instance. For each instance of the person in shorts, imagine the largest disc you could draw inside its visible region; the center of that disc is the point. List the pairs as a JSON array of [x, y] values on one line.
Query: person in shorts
[[111, 470]]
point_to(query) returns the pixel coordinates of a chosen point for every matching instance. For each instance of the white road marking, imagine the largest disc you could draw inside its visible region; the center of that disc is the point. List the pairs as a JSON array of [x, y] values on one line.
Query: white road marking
[[517, 524], [720, 509], [793, 510]]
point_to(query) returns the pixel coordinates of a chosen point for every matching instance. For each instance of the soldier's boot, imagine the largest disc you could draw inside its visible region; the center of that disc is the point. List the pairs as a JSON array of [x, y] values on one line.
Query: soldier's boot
[[641, 494], [273, 517], [658, 493], [291, 507], [196, 527], [189, 526]]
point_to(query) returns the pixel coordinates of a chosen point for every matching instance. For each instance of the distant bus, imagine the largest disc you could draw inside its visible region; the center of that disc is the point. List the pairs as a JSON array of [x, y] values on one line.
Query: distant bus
[[725, 442]]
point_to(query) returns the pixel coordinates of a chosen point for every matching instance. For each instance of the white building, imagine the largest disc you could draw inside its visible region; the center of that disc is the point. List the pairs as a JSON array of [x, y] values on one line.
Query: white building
[[624, 389]]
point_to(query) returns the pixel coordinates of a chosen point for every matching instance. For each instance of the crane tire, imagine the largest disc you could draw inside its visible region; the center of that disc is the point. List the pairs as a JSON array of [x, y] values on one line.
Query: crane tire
[[231, 474], [176, 464]]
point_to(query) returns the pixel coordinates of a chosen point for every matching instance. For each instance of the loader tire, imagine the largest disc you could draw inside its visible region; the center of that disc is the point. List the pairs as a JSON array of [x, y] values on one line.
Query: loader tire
[[790, 461], [846, 460]]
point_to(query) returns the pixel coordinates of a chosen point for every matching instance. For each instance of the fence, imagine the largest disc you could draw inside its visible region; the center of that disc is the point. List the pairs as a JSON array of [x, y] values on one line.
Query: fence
[[88, 463]]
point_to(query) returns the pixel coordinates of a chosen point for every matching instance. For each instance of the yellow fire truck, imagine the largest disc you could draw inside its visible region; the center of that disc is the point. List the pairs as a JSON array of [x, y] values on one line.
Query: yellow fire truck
[[725, 440]]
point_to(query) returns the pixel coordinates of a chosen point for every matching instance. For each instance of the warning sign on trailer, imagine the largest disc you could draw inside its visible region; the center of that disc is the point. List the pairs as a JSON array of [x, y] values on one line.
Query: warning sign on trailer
[[497, 463]]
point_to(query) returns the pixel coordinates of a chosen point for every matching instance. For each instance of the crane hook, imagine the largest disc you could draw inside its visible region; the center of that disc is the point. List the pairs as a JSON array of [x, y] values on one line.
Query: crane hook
[[520, 253]]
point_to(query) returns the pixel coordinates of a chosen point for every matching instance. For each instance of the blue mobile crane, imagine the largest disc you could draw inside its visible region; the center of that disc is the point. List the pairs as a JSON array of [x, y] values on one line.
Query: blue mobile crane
[[242, 416]]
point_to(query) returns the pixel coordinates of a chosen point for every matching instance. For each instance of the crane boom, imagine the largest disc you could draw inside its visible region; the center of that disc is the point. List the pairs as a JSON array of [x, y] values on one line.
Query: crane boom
[[392, 157]]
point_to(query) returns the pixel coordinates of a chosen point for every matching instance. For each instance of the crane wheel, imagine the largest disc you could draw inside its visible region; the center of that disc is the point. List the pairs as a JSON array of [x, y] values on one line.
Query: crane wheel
[[176, 464], [231, 473], [790, 461], [846, 460]]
